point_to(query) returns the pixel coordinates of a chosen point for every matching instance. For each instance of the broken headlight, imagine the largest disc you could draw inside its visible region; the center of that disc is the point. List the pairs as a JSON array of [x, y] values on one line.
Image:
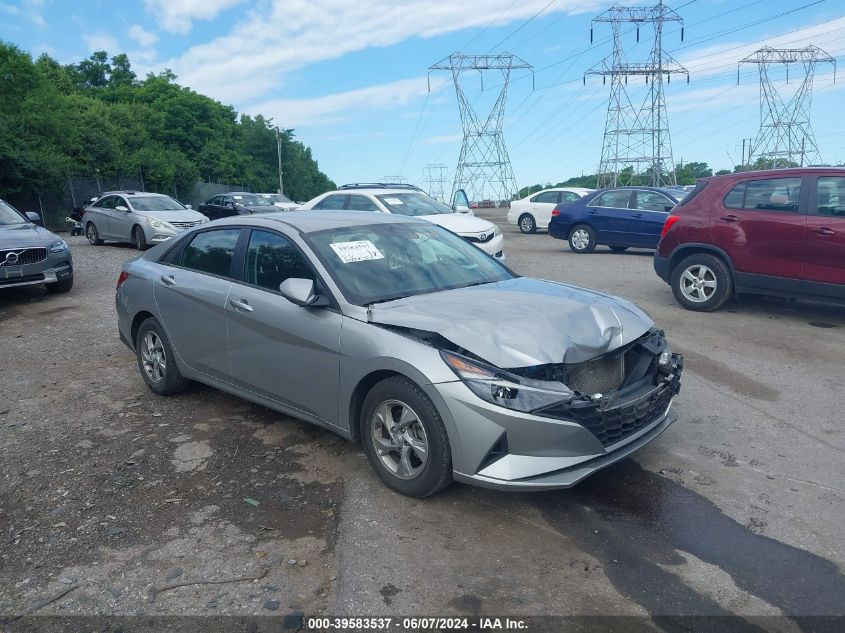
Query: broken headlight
[[503, 388]]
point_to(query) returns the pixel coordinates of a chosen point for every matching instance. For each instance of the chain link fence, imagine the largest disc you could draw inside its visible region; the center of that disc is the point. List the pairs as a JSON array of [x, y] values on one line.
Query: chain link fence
[[54, 207]]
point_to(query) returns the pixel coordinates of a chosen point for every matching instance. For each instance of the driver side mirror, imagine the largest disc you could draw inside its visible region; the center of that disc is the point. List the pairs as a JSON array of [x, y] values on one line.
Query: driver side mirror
[[34, 218], [668, 208], [460, 203], [301, 292], [187, 206], [121, 207]]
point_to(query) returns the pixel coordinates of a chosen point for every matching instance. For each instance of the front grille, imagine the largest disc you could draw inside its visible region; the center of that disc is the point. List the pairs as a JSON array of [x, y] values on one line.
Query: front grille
[[22, 256], [185, 225], [479, 239], [612, 422], [20, 280], [600, 375]]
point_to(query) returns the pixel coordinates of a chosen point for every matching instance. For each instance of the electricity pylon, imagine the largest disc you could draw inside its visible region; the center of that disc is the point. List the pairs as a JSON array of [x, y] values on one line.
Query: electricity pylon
[[785, 136], [636, 134], [435, 181], [484, 167]]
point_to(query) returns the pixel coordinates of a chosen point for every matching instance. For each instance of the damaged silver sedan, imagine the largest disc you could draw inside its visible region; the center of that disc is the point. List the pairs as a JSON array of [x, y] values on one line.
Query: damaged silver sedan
[[443, 362]]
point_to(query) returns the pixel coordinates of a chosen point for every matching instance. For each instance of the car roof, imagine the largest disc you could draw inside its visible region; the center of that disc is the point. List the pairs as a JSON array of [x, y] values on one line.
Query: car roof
[[131, 192], [378, 191], [664, 190], [313, 221], [784, 172]]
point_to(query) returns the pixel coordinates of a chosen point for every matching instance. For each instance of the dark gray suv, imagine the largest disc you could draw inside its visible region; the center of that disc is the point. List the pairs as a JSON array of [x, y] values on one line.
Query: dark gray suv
[[30, 254]]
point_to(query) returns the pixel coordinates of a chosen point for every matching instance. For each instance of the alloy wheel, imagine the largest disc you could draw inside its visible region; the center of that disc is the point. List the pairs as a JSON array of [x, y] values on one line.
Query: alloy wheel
[[526, 224], [153, 357], [399, 439], [580, 239], [91, 233], [698, 283]]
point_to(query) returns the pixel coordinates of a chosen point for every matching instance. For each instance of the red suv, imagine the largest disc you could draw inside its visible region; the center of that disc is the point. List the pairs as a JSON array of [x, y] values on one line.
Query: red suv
[[778, 232]]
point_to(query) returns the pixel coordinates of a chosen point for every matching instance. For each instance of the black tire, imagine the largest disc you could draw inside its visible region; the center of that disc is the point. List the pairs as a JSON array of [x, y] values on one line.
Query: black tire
[[139, 238], [60, 286], [706, 268], [527, 223], [92, 234], [619, 249], [171, 381], [575, 241], [437, 471]]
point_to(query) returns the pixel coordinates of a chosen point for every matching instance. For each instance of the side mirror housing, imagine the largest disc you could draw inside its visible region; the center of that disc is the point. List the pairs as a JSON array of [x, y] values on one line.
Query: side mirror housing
[[120, 207], [301, 292], [34, 218], [668, 208], [460, 203], [187, 206]]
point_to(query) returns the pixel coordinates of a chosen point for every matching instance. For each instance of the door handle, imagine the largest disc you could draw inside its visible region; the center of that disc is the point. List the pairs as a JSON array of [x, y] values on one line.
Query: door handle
[[638, 215], [823, 230], [241, 304], [591, 212], [168, 280], [730, 218]]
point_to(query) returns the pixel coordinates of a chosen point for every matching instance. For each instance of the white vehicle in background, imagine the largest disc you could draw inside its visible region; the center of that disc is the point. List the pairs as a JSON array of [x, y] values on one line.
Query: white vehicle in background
[[280, 201], [535, 210], [414, 202]]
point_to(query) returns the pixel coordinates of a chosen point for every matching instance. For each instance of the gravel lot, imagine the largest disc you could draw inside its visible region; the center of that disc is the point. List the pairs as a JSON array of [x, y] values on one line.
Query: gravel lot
[[118, 495]]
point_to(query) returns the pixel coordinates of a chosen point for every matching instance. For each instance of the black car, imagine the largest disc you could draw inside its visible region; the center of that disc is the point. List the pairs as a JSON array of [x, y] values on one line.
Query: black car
[[233, 203]]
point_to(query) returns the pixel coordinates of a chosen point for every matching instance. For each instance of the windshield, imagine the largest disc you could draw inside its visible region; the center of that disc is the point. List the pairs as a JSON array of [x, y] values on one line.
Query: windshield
[[156, 203], [8, 215], [414, 204], [276, 197], [382, 262], [252, 200]]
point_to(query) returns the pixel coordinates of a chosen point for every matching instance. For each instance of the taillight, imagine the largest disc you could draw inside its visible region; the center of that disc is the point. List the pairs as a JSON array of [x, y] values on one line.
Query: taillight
[[123, 277], [555, 212], [670, 221]]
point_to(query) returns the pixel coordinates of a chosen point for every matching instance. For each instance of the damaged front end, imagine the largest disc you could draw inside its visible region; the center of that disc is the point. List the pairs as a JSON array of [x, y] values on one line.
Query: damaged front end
[[614, 396]]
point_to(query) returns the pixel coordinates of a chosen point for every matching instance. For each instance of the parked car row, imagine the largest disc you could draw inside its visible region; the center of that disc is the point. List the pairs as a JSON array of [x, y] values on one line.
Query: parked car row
[[778, 232]]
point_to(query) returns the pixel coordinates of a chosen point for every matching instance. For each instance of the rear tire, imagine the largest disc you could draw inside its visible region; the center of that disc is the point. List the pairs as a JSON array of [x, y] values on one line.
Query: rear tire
[[527, 223], [156, 360], [582, 239], [397, 455], [92, 234], [139, 238], [60, 286], [702, 283]]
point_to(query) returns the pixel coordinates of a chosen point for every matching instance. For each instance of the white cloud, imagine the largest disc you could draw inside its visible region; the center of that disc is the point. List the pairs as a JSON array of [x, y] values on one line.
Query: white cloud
[[101, 42], [31, 9], [177, 16], [279, 36], [335, 107], [145, 38]]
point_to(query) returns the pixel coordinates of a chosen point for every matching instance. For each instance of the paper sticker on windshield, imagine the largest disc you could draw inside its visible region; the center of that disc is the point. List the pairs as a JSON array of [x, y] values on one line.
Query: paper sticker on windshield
[[360, 251], [393, 201], [238, 197]]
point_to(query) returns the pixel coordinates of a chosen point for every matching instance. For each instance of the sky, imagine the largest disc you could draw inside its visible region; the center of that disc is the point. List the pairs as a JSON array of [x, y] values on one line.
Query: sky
[[351, 76]]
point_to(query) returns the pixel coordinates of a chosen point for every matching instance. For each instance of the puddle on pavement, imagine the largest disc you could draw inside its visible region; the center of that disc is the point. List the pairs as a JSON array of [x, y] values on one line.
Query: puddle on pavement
[[637, 523]]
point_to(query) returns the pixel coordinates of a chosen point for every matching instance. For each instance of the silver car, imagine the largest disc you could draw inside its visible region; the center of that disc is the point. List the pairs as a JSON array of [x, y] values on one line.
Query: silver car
[[392, 330], [138, 218], [30, 254]]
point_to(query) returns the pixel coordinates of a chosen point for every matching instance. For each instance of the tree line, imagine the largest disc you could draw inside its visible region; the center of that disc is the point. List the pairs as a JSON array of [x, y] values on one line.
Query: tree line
[[63, 120]]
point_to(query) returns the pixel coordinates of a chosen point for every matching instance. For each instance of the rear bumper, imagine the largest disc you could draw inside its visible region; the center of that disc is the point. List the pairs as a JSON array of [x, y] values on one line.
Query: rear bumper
[[662, 268]]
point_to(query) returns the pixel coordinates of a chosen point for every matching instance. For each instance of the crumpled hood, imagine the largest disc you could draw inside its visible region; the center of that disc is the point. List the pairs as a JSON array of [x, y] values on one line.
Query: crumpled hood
[[521, 322], [188, 215], [24, 236], [460, 222]]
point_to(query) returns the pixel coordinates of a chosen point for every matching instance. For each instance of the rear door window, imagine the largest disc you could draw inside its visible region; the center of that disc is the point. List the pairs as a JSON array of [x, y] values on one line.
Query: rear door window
[[361, 203], [617, 199], [212, 252], [770, 194], [331, 202], [546, 196], [568, 196], [830, 196]]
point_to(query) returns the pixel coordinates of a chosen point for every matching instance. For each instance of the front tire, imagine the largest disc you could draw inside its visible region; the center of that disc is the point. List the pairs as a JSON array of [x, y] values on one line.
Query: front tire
[[582, 239], [92, 234], [60, 286], [702, 283], [139, 238], [404, 438], [156, 360], [527, 223]]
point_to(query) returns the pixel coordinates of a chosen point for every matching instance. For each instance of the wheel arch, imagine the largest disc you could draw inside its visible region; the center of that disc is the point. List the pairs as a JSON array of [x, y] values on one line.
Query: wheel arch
[[359, 394], [137, 320], [693, 248]]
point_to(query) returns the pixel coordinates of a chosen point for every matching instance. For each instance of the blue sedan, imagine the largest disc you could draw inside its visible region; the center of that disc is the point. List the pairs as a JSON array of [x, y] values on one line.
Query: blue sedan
[[620, 218]]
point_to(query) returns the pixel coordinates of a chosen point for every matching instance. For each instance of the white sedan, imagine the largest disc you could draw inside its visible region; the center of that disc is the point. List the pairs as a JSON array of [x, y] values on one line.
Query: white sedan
[[535, 210]]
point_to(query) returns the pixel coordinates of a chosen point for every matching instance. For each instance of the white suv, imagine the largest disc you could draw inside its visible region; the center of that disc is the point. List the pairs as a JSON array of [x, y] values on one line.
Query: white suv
[[409, 200]]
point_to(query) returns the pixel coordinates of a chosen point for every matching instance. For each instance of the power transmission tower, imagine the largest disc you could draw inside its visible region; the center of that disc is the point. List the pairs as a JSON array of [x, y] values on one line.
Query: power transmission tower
[[484, 167], [785, 135], [435, 181], [393, 180], [636, 134]]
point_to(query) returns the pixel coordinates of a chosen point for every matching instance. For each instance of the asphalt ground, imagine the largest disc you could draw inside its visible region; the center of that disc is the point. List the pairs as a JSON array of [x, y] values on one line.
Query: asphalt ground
[[204, 504]]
